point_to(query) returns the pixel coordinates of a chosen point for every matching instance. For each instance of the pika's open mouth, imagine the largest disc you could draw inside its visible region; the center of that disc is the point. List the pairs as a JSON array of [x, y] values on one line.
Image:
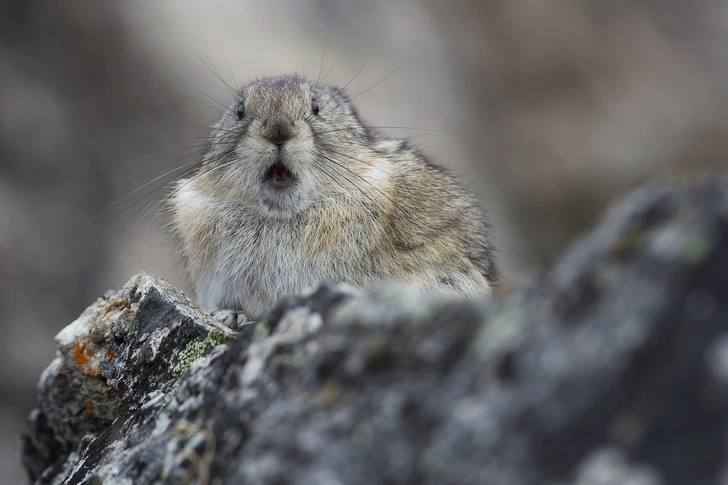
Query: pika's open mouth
[[279, 176]]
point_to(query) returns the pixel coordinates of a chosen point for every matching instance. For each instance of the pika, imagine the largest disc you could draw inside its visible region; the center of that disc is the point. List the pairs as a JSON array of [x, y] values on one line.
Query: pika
[[293, 189]]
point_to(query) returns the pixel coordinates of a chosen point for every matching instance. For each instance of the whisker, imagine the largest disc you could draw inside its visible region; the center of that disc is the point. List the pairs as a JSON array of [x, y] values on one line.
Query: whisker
[[381, 80], [115, 203], [371, 215], [209, 129], [384, 127], [194, 99], [211, 67], [359, 177], [160, 206], [350, 81], [395, 204], [207, 137], [222, 79], [332, 67], [232, 74], [323, 57], [165, 199], [224, 107], [155, 191], [144, 176]]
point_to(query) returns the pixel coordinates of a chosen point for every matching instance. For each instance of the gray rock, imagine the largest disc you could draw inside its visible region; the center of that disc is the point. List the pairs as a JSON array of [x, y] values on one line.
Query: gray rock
[[610, 369]]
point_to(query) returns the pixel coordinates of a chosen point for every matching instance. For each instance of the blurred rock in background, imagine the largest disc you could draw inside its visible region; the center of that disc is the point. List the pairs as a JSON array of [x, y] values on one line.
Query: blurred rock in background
[[547, 109]]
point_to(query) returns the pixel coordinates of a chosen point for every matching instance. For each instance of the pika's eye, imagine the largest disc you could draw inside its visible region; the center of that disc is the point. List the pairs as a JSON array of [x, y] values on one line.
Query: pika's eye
[[314, 107], [241, 111]]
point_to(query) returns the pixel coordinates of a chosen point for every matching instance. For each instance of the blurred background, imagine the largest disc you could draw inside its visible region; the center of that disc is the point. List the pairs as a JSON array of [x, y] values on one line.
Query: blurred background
[[548, 109]]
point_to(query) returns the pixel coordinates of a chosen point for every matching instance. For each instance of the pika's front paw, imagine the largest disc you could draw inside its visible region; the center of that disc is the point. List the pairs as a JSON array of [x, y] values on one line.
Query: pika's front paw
[[230, 318]]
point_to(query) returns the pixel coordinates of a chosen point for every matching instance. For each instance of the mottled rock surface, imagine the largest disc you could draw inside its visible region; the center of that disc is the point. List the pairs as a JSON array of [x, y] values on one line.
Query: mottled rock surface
[[610, 369]]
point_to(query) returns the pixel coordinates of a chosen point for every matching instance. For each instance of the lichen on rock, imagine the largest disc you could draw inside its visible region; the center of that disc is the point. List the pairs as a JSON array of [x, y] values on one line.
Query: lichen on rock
[[607, 369]]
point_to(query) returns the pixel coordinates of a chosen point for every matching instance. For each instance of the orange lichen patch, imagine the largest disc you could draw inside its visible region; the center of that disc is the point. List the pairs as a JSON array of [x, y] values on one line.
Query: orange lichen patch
[[82, 356], [81, 353], [89, 408], [110, 354]]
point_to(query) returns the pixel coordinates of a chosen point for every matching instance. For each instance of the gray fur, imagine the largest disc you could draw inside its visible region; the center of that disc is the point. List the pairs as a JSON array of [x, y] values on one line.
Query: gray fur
[[362, 209]]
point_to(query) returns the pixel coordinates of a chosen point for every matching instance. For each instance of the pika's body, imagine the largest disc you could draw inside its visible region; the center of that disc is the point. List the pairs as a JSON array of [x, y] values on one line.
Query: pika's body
[[293, 190]]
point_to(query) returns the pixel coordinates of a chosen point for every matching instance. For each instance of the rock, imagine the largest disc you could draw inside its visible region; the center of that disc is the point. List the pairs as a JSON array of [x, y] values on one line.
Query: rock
[[610, 369]]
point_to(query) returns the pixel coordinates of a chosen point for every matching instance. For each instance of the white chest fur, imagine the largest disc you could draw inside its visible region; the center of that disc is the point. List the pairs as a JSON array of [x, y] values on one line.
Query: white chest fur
[[251, 262]]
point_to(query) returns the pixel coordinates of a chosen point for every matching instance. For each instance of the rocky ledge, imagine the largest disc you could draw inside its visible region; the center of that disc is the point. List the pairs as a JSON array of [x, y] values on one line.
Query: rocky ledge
[[610, 369]]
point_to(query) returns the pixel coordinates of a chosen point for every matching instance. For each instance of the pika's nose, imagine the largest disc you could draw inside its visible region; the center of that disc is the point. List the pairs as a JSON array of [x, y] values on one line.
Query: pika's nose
[[279, 131]]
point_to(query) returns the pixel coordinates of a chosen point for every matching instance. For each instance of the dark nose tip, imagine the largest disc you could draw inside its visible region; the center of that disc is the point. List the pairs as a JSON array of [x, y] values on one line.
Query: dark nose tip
[[279, 131]]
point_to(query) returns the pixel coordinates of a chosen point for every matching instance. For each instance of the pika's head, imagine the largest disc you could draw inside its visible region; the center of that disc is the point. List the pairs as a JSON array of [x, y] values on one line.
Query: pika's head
[[283, 143]]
